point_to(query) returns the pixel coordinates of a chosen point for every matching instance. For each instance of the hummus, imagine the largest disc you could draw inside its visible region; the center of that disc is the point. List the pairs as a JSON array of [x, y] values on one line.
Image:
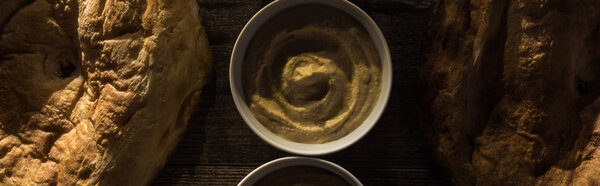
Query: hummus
[[301, 175], [312, 74]]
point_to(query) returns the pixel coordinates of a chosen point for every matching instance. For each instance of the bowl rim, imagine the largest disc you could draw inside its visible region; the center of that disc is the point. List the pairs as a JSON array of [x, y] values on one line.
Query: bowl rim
[[238, 55], [277, 164]]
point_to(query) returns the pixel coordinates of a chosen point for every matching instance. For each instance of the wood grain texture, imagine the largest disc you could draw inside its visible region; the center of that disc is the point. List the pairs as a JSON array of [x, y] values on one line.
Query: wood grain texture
[[219, 148]]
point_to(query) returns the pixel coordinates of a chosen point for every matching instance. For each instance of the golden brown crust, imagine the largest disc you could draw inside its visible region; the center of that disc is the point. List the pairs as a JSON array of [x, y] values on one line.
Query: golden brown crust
[[510, 91], [96, 92]]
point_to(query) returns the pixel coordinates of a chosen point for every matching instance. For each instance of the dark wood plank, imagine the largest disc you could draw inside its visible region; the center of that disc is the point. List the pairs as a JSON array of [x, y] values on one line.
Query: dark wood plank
[[230, 175], [219, 148]]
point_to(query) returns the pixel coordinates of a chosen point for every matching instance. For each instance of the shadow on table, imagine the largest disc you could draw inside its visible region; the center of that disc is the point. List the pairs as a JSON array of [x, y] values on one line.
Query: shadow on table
[[191, 146]]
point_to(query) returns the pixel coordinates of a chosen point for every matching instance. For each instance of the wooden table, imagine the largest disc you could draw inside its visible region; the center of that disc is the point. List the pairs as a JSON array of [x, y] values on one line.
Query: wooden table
[[219, 148]]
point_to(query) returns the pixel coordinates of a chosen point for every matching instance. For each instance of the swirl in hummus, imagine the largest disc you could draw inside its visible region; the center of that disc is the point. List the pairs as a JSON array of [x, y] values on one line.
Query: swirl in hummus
[[312, 74]]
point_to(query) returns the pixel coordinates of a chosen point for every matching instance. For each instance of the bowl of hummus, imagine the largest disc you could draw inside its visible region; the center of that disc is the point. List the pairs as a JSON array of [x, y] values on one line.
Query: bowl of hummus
[[310, 77], [299, 171]]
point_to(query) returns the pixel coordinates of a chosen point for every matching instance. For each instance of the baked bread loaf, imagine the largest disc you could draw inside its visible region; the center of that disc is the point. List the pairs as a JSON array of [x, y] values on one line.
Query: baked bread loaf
[[96, 92], [510, 91]]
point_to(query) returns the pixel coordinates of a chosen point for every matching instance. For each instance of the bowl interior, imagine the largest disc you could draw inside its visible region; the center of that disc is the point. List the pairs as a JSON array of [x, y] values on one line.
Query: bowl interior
[[274, 165], [235, 72]]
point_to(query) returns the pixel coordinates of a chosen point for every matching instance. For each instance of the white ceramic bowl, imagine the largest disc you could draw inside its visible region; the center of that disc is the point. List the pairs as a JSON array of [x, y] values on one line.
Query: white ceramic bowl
[[274, 165], [235, 77]]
